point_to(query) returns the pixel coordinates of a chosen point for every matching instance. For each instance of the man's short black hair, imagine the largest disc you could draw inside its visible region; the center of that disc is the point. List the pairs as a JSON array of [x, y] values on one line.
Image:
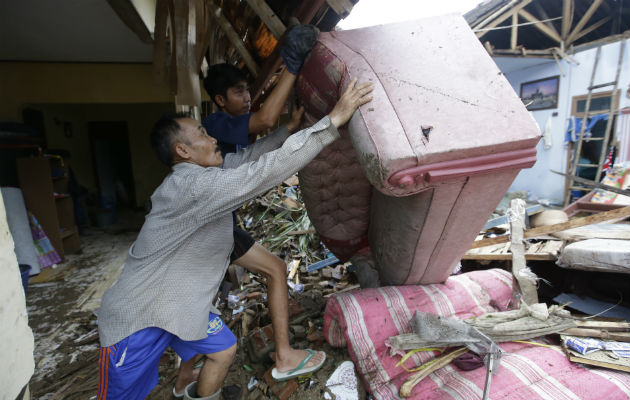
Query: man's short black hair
[[163, 134], [220, 78]]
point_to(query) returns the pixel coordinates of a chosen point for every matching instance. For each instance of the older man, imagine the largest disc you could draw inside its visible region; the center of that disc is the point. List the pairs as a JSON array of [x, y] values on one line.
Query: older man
[[164, 295]]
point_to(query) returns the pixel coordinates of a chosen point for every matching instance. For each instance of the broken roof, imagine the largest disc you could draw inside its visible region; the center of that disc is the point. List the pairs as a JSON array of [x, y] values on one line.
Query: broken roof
[[542, 28]]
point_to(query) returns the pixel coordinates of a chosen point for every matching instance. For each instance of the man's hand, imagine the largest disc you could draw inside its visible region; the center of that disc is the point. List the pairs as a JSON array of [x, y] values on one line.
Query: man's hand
[[299, 42], [350, 100], [296, 118]]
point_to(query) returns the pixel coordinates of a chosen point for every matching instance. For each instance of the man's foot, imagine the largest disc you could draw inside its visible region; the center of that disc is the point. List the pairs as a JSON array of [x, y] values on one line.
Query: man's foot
[[298, 362]]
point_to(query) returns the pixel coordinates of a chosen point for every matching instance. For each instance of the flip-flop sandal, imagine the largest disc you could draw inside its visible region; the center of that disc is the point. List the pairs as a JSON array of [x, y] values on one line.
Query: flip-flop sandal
[[177, 395], [299, 370]]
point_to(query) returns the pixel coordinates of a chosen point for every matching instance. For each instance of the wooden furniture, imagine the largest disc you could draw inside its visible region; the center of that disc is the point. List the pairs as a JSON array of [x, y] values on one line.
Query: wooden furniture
[[44, 184]]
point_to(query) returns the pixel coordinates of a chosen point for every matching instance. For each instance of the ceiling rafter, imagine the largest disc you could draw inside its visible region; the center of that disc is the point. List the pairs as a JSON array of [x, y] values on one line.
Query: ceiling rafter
[[500, 11], [514, 35], [567, 17], [592, 27], [233, 37], [585, 18], [268, 17], [538, 24], [502, 18], [545, 17]]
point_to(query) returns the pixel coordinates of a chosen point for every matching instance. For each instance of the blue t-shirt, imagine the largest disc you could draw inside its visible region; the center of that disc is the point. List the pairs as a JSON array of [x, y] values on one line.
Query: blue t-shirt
[[232, 133]]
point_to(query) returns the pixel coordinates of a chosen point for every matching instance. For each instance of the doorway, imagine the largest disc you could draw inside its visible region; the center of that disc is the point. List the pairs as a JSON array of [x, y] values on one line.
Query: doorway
[[109, 141]]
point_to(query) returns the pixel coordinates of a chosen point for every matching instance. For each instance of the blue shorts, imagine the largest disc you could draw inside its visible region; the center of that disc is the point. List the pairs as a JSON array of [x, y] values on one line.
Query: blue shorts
[[129, 369]]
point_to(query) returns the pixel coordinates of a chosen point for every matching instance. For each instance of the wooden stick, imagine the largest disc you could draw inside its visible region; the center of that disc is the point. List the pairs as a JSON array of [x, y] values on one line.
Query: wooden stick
[[407, 387], [545, 230], [598, 333], [593, 184], [610, 326]]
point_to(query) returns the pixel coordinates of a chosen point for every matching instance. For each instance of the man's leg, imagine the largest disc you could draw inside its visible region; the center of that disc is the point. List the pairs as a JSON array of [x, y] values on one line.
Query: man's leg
[[187, 374], [219, 348], [214, 371], [259, 260]]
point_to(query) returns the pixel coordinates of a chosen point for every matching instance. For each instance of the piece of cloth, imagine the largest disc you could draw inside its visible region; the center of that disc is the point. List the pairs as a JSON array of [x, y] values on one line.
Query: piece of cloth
[[129, 368], [547, 135], [243, 241], [232, 133], [46, 253], [623, 135], [575, 127], [364, 320], [175, 267]]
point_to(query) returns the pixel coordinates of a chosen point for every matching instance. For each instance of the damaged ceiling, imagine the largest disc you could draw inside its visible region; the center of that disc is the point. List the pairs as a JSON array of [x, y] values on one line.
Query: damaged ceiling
[[547, 28]]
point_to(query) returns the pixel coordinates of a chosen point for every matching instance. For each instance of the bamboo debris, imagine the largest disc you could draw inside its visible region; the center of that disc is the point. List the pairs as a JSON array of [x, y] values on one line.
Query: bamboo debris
[[407, 387]]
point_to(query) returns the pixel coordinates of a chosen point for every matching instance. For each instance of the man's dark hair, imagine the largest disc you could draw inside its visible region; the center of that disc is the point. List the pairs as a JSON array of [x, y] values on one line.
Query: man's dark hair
[[220, 78], [163, 134]]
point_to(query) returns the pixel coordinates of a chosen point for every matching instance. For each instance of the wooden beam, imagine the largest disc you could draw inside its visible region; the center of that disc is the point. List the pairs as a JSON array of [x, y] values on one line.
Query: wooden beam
[[161, 47], [503, 17], [544, 16], [540, 26], [266, 15], [233, 37], [129, 15], [500, 11], [585, 18], [341, 7], [592, 28], [567, 17], [514, 35], [545, 230]]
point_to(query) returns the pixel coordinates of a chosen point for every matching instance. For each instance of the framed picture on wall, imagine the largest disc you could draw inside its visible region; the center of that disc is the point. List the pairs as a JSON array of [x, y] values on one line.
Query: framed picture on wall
[[540, 94]]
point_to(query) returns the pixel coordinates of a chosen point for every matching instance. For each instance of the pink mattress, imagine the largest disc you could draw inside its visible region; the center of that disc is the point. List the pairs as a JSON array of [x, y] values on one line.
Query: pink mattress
[[364, 320]]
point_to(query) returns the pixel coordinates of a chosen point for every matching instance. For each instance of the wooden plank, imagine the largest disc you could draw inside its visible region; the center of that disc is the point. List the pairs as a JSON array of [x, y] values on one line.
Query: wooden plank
[[582, 360], [592, 184], [233, 37], [514, 35], [538, 24], [598, 333], [567, 17], [129, 15], [269, 17], [545, 230], [501, 18], [611, 326], [585, 18]]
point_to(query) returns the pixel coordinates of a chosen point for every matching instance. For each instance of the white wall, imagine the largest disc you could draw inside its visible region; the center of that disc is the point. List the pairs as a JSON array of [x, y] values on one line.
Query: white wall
[[538, 180]]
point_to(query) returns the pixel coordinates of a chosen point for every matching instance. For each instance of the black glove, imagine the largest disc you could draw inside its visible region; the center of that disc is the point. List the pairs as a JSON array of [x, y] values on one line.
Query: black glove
[[299, 42]]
